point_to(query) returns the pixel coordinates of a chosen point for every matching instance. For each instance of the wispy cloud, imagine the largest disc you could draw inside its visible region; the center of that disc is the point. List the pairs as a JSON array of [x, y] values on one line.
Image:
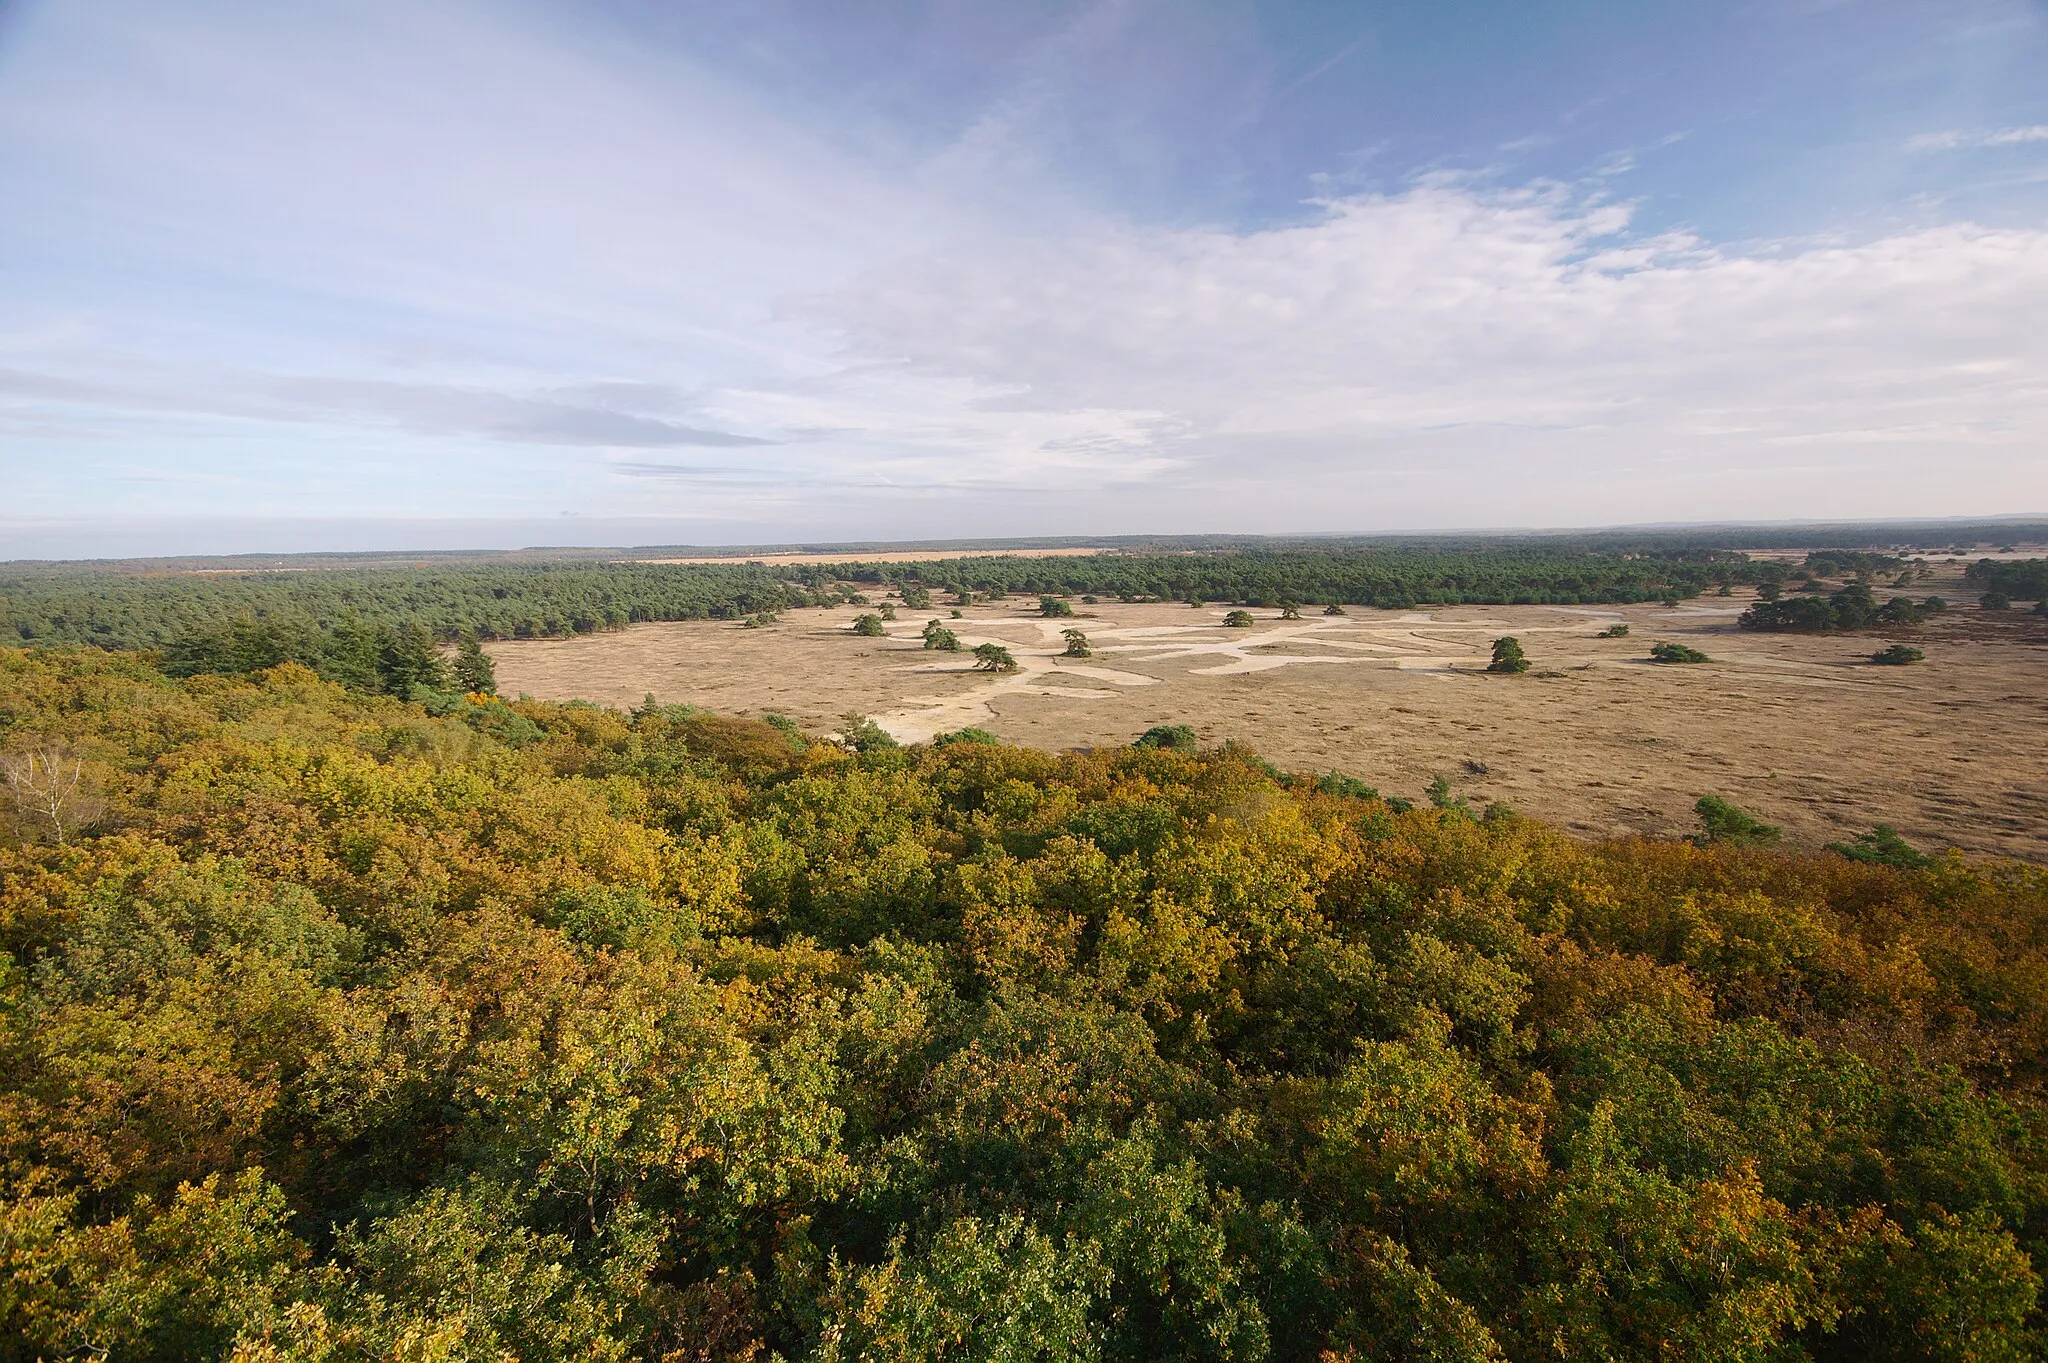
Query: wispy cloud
[[1997, 137]]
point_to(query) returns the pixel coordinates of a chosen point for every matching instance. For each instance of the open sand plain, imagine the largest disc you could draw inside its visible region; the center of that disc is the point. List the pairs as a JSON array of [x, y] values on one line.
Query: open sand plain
[[1800, 729]]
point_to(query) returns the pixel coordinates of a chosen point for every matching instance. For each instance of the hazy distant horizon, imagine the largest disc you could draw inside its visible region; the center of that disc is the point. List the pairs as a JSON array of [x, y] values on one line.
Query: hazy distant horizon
[[170, 539]]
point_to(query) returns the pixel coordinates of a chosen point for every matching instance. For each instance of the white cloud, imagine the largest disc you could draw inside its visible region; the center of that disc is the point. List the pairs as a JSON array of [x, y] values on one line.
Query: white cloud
[[1998, 137], [1391, 320]]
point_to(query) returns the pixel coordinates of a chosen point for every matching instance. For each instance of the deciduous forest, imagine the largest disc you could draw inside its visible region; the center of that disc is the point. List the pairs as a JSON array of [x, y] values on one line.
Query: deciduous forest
[[338, 1029]]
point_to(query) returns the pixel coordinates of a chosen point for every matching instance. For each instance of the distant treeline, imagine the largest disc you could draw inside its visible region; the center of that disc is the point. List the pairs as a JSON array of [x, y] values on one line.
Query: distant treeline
[[1531, 574], [210, 621]]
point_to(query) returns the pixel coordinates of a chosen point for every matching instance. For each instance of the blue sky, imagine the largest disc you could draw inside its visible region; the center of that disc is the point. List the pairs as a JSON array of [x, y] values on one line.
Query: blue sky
[[375, 274]]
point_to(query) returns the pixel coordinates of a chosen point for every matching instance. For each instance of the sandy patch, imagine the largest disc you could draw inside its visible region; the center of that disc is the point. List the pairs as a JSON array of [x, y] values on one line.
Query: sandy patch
[[1800, 729]]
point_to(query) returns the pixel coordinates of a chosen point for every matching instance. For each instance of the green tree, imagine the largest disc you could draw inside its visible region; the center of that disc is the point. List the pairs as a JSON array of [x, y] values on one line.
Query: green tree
[[1724, 823], [1897, 655], [860, 733], [1077, 644], [1052, 606], [1882, 846], [1178, 737], [1238, 620], [1676, 653], [472, 668], [994, 658], [869, 626], [1507, 656]]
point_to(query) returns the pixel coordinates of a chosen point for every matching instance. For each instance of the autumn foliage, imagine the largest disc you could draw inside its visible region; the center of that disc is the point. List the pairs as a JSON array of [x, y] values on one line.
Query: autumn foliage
[[347, 1031]]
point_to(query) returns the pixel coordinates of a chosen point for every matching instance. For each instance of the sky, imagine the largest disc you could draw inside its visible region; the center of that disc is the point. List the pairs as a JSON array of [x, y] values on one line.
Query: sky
[[450, 274]]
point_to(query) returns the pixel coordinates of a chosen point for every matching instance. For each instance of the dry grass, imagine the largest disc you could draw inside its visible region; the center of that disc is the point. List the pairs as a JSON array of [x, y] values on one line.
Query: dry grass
[[1802, 730]]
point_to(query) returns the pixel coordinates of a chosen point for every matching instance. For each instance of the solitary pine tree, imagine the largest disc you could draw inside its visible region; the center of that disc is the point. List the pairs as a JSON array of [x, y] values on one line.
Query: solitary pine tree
[[1507, 656]]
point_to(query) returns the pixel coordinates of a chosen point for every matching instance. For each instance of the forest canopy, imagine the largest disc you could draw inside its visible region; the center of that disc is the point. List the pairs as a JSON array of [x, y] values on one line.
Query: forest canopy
[[338, 1029]]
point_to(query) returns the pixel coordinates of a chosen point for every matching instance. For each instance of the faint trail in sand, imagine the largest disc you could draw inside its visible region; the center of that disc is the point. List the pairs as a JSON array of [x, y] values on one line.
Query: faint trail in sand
[[1042, 672]]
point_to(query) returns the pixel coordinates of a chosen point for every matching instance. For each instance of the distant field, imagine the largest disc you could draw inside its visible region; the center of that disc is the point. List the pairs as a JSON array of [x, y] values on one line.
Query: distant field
[[1799, 728]]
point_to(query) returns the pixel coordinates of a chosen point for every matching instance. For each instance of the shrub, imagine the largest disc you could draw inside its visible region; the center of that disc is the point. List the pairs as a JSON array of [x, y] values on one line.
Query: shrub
[[941, 639], [1440, 797], [1333, 609], [869, 626], [917, 597], [1897, 655], [1617, 631], [1934, 605], [1507, 656], [1900, 610], [1995, 601], [1337, 783], [888, 610], [994, 658], [964, 736], [1052, 607], [1290, 611], [1238, 620], [1675, 653], [1177, 737], [862, 734], [1077, 644], [1882, 846], [789, 729], [1725, 823]]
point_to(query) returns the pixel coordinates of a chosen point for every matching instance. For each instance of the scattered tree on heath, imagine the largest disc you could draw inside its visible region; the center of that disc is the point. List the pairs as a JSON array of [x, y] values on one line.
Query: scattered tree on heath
[[994, 658], [1507, 656]]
